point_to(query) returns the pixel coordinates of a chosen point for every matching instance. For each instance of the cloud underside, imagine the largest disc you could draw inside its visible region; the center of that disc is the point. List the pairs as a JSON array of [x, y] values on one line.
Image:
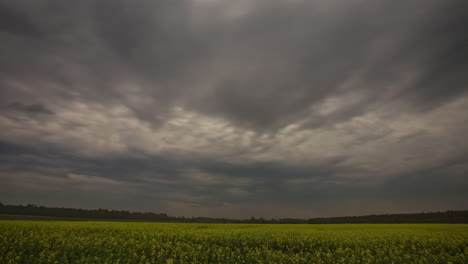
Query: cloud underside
[[235, 108]]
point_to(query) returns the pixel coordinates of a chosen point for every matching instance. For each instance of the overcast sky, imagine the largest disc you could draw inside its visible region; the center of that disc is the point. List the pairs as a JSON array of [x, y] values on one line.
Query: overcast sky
[[221, 108]]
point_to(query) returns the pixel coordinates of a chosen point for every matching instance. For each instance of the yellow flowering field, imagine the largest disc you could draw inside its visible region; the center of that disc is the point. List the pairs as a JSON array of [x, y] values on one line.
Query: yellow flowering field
[[132, 242]]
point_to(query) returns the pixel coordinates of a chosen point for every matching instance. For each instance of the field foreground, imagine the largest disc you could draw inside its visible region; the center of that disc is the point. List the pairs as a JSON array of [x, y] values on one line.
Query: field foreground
[[113, 242]]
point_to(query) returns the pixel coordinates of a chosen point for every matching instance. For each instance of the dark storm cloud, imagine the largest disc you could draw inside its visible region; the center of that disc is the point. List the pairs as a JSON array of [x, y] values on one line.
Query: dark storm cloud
[[440, 46], [33, 108], [208, 103], [14, 22], [277, 61], [319, 53], [158, 180]]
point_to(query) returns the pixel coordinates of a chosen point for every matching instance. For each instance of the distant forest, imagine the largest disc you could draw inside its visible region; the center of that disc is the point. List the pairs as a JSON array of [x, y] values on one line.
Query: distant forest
[[55, 213]]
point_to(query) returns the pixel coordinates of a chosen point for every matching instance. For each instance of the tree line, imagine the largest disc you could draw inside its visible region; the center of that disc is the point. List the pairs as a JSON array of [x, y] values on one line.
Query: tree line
[[123, 215]]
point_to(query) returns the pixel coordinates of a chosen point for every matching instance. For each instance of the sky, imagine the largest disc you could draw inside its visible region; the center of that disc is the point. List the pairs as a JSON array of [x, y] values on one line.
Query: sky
[[217, 108]]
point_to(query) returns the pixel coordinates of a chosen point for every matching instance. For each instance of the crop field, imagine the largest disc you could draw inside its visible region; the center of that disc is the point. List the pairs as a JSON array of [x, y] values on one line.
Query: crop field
[[115, 242]]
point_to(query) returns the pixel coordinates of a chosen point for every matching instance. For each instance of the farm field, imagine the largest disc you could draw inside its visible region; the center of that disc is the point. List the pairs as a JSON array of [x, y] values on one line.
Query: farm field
[[117, 242]]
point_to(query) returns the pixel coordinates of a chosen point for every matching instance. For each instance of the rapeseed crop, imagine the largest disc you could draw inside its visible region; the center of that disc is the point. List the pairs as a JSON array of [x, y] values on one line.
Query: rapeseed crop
[[114, 242]]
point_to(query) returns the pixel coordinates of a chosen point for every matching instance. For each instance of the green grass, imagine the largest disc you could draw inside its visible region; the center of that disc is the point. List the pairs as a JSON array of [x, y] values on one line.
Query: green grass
[[114, 242]]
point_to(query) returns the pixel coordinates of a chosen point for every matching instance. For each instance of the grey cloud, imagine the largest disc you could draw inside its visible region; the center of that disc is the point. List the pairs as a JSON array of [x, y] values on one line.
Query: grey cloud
[[159, 180], [30, 109], [320, 54], [220, 104], [15, 22], [264, 70], [142, 180]]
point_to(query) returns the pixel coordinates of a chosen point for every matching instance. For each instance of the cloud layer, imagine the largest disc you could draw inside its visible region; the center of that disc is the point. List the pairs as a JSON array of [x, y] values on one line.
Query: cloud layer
[[235, 108]]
